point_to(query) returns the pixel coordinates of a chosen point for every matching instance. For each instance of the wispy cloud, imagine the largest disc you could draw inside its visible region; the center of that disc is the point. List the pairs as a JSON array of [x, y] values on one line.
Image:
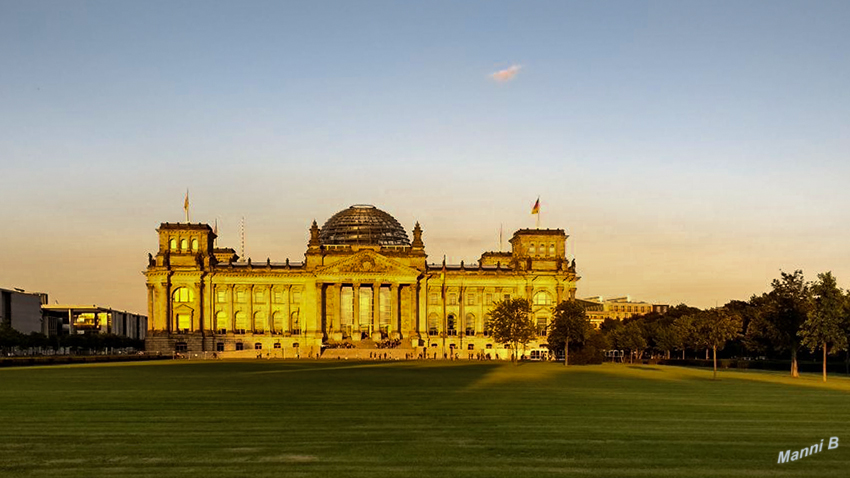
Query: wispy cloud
[[507, 74]]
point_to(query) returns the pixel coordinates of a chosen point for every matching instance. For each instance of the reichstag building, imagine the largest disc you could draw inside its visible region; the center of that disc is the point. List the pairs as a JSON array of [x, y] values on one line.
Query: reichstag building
[[363, 284]]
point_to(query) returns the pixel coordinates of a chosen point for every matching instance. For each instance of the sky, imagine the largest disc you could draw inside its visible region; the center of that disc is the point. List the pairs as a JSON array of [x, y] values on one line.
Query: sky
[[691, 150]]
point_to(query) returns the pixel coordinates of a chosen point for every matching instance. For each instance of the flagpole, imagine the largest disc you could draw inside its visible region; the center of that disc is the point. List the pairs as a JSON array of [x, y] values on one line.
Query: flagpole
[[186, 205], [500, 238]]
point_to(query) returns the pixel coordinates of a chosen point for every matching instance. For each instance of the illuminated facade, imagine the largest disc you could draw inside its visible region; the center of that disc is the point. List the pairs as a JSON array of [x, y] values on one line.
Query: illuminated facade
[[363, 284], [619, 308]]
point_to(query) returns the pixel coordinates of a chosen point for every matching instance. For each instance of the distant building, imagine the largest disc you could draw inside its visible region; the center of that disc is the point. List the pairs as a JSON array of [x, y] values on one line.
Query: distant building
[[21, 310], [619, 308], [91, 319]]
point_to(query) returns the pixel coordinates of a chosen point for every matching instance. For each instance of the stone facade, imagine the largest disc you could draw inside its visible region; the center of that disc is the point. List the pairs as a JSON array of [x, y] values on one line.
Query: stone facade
[[362, 286]]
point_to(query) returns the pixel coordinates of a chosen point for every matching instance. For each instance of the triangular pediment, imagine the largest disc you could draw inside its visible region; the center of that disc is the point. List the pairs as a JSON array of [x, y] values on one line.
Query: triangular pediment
[[367, 264]]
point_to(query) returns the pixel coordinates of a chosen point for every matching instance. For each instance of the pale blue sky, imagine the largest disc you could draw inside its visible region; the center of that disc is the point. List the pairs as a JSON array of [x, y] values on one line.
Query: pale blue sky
[[691, 149]]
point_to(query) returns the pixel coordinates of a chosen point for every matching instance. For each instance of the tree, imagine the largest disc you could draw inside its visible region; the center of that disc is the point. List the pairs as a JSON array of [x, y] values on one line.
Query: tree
[[510, 323], [783, 312], [715, 327], [569, 325], [823, 328], [631, 337], [666, 338], [684, 327]]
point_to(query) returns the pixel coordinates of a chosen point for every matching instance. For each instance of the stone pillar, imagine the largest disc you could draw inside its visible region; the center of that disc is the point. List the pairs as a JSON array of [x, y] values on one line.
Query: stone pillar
[[559, 292], [395, 319], [337, 328], [287, 310], [269, 314], [461, 325], [376, 311], [318, 331], [251, 309], [482, 309], [232, 295], [199, 308], [355, 319]]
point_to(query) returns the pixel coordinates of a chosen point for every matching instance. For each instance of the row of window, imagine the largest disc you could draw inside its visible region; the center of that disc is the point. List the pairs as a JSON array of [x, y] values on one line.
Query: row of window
[[540, 250], [540, 298], [185, 295], [185, 245], [240, 296], [640, 309]]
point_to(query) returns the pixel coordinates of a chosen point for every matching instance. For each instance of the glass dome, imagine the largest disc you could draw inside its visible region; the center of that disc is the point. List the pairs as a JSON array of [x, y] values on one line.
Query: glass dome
[[363, 224]]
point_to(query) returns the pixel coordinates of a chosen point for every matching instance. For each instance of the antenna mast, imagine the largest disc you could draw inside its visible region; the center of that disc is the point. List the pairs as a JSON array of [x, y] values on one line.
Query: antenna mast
[[242, 236]]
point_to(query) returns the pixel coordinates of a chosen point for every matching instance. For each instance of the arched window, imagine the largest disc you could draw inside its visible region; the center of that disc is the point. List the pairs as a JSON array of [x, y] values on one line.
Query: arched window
[[278, 322], [258, 346], [542, 298], [486, 324], [183, 295], [470, 324], [552, 250], [433, 324], [221, 322], [259, 323], [195, 245], [241, 322], [450, 324], [295, 326], [184, 244], [531, 249], [172, 244]]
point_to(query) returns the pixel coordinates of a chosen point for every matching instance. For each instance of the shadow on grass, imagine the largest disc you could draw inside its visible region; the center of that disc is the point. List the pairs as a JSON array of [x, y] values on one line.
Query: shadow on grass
[[644, 367]]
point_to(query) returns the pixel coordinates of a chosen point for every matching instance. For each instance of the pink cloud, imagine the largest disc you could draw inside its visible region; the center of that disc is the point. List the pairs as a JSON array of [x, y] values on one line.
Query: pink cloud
[[507, 74]]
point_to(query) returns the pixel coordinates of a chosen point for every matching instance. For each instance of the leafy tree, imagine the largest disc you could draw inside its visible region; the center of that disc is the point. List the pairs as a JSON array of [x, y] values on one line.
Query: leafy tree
[[569, 325], [715, 327], [783, 312], [510, 323], [685, 333], [823, 328], [630, 336], [666, 338]]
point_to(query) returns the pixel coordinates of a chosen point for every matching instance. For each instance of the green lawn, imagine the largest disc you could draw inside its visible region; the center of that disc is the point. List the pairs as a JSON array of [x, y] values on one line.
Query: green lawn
[[403, 419]]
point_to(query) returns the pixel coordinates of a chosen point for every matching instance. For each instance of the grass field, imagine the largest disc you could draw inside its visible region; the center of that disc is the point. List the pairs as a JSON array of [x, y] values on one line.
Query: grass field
[[330, 419]]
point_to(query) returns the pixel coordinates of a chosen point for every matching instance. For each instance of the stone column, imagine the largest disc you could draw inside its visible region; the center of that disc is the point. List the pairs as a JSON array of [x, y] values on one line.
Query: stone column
[[355, 319], [461, 325], [232, 305], [395, 319], [337, 329], [559, 291], [287, 310], [376, 311], [424, 309], [166, 298], [251, 309], [318, 332], [269, 314], [482, 308]]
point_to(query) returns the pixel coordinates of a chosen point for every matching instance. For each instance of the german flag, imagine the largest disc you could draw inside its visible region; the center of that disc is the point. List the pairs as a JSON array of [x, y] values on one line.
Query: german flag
[[536, 208]]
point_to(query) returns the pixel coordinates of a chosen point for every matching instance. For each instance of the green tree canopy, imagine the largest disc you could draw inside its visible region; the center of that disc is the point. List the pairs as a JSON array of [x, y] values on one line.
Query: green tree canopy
[[570, 325], [824, 326], [714, 327], [510, 323], [783, 312]]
